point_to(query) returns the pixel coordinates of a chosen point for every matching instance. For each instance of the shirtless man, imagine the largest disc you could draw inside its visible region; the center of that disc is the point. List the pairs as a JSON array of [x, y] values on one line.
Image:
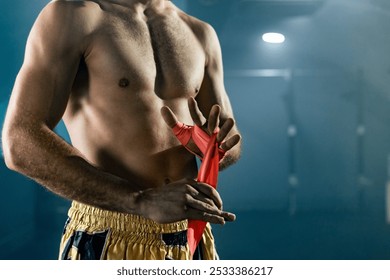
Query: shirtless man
[[119, 73]]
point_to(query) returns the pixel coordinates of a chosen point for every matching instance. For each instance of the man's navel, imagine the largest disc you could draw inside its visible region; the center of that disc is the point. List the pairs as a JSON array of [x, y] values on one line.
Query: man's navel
[[123, 82]]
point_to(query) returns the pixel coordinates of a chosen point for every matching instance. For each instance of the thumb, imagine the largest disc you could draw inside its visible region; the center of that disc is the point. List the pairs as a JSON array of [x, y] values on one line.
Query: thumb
[[168, 116]]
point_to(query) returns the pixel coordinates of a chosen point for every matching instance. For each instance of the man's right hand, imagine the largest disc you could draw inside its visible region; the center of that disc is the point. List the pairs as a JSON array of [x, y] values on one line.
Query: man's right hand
[[185, 199]]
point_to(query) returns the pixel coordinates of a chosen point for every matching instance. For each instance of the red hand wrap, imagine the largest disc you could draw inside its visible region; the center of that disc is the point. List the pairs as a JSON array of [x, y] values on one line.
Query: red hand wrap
[[208, 171], [201, 139]]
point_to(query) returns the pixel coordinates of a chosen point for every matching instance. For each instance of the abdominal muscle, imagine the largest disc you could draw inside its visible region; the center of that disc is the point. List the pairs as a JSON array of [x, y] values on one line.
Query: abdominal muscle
[[132, 141]]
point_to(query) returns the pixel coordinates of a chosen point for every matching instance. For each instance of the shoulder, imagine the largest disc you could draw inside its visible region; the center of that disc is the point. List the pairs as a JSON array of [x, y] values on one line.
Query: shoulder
[[68, 14], [72, 5], [204, 31], [64, 24], [208, 38]]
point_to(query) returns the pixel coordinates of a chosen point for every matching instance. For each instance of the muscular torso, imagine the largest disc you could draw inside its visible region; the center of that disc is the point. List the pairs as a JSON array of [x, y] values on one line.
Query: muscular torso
[[135, 62]]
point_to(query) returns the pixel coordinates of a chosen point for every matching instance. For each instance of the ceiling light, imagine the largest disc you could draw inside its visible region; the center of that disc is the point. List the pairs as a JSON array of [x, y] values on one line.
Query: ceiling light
[[273, 38]]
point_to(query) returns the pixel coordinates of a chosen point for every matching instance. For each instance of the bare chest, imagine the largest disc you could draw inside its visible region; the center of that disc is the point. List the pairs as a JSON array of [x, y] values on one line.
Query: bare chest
[[162, 55]]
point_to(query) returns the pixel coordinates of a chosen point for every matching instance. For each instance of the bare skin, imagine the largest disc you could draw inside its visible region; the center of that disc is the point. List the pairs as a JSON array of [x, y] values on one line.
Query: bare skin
[[120, 73]]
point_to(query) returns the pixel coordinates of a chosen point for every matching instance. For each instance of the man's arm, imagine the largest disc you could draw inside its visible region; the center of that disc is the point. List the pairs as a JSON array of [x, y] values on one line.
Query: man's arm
[[213, 92], [39, 98]]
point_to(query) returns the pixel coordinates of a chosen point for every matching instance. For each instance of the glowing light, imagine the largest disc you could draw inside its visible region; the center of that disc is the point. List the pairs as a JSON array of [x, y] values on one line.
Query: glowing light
[[273, 38]]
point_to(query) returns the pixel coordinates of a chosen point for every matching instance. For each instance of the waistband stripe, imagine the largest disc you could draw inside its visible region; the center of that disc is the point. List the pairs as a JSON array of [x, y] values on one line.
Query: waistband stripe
[[93, 216]]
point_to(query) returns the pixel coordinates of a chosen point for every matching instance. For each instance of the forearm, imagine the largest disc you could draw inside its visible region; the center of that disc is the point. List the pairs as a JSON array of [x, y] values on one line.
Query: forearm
[[40, 154]]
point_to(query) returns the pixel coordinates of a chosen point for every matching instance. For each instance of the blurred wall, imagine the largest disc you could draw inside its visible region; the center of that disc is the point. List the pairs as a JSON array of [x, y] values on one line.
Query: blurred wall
[[328, 79]]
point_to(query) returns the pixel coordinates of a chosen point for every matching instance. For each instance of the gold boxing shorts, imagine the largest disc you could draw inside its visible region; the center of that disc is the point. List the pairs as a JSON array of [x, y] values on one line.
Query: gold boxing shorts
[[91, 233]]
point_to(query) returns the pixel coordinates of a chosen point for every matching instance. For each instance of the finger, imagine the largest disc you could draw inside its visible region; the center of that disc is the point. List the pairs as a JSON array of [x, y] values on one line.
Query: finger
[[210, 210], [168, 116], [206, 200], [231, 142], [200, 196], [229, 217], [196, 114], [204, 216], [225, 129], [214, 118], [201, 206], [209, 192]]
